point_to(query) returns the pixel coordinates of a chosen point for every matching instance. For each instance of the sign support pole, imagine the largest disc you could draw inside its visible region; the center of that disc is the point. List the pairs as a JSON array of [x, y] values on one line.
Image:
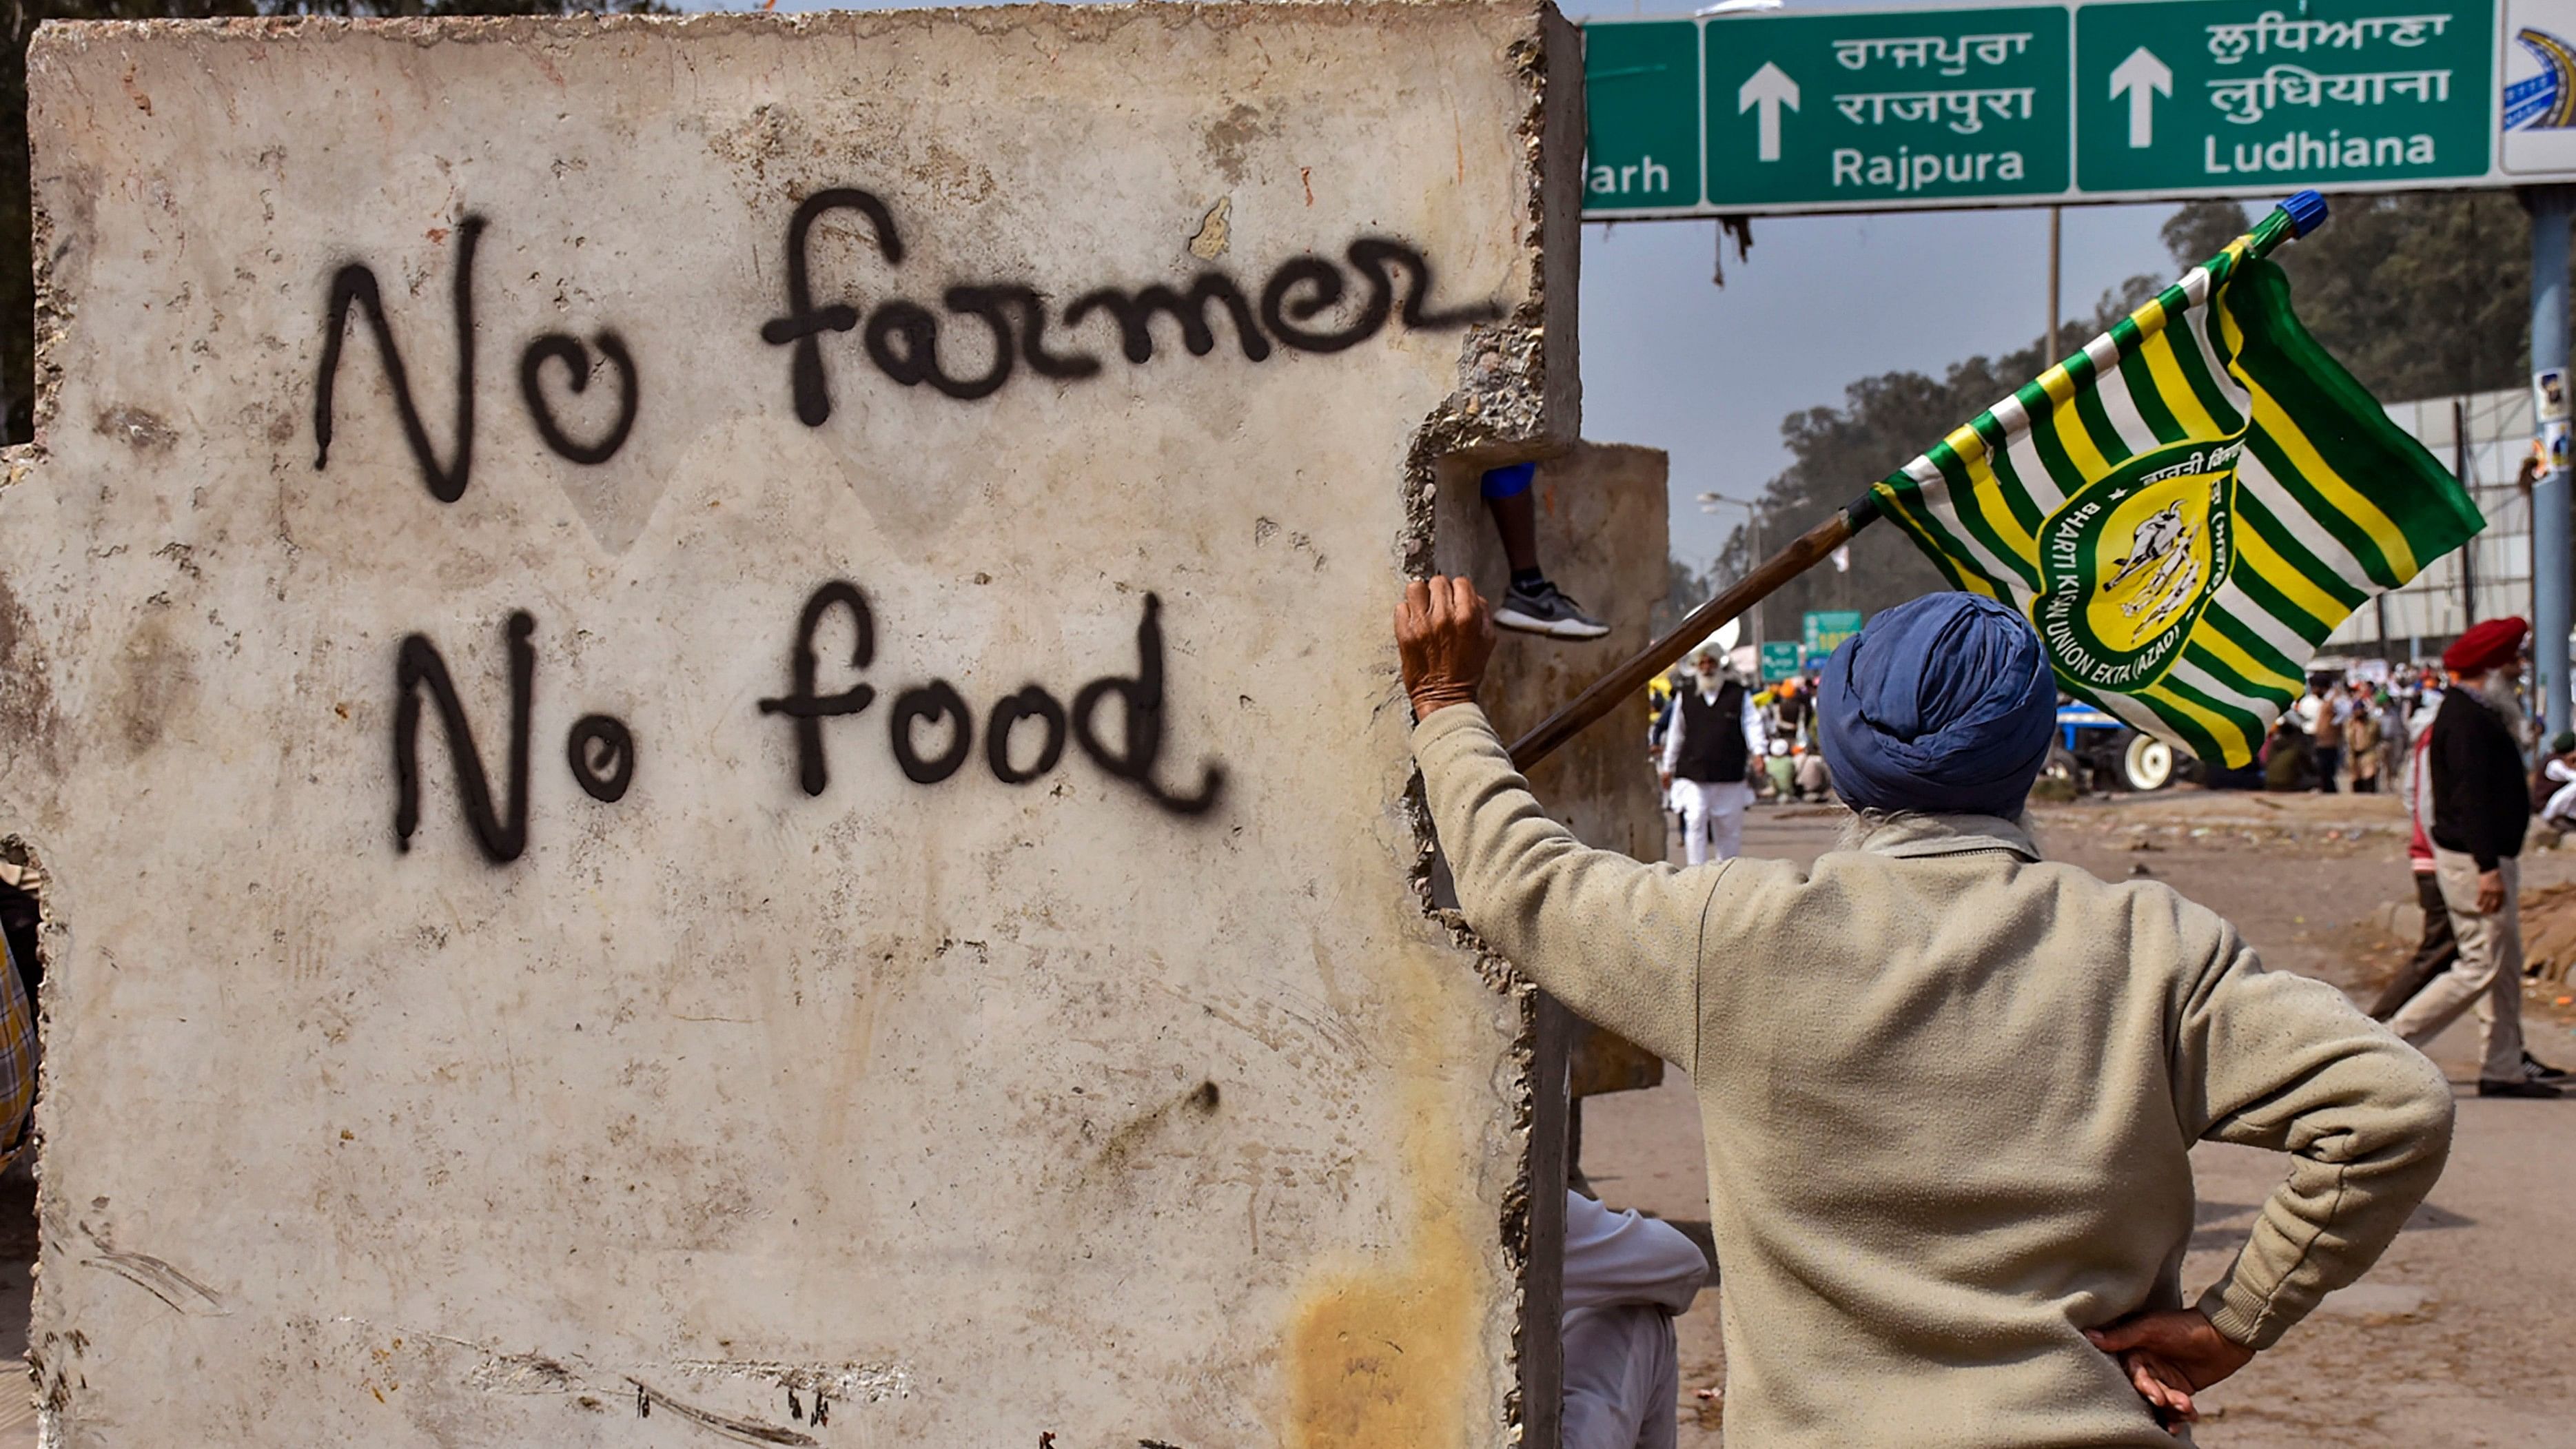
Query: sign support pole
[[2553, 210], [2056, 218]]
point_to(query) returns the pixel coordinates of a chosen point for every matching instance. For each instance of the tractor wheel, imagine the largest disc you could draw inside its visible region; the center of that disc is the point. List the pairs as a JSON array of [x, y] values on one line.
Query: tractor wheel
[[2064, 767], [2146, 763]]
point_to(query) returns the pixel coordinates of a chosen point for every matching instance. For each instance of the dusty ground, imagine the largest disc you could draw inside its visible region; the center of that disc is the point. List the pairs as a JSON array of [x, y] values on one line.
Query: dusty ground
[[2463, 1334]]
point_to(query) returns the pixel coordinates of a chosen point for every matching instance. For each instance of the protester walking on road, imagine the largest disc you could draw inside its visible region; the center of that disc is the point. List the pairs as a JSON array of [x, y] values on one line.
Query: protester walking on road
[[1949, 1091], [1708, 753], [1626, 1276], [2481, 811], [2436, 948]]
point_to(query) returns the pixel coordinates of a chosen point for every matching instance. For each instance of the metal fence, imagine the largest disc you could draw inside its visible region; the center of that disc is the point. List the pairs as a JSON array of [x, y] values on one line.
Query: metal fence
[[2483, 437]]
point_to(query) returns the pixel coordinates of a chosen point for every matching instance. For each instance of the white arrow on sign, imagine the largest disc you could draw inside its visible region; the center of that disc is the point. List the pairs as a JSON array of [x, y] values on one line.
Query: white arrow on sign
[[2142, 78], [1770, 88]]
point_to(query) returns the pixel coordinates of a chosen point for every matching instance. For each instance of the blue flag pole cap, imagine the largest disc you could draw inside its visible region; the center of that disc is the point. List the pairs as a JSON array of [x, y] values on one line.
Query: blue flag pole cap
[[2307, 212]]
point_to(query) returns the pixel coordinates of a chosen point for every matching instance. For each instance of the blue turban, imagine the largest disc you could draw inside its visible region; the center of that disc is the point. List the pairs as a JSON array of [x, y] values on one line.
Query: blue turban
[[1943, 705]]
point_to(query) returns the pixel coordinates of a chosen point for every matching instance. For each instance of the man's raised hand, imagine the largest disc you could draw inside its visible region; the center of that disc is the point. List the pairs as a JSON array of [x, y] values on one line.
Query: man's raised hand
[[1443, 636]]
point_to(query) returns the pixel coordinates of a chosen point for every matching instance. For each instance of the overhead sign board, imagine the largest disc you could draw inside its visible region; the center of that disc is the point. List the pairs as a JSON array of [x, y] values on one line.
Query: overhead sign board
[[2121, 100], [1826, 629], [2191, 95], [1780, 660]]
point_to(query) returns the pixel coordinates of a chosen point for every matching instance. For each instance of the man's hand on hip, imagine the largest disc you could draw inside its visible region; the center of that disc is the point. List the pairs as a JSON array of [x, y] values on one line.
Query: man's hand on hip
[[1444, 636], [2170, 1353]]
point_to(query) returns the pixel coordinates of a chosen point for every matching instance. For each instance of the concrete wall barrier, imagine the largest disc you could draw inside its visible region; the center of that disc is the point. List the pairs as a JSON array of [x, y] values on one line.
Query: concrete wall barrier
[[710, 708]]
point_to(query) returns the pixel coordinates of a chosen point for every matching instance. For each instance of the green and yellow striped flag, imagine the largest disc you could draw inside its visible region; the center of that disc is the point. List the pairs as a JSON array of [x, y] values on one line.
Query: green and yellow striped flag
[[2187, 508]]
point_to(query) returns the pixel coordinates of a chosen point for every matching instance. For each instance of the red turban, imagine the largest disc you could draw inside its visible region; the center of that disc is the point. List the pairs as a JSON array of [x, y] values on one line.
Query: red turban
[[2485, 646]]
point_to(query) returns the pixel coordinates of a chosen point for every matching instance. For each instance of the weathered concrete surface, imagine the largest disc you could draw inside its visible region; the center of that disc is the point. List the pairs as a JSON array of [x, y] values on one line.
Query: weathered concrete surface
[[1602, 535], [735, 1103], [1602, 514]]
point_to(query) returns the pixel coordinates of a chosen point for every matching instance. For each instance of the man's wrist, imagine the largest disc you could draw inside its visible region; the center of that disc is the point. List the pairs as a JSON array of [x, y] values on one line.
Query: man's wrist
[[1429, 700]]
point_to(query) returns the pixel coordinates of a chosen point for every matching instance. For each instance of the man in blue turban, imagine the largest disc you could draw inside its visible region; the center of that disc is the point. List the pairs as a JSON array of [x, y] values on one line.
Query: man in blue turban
[[1949, 1089], [1943, 706]]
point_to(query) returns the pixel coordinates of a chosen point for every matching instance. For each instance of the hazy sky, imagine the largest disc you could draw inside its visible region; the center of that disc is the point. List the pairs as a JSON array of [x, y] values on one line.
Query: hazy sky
[[1708, 373]]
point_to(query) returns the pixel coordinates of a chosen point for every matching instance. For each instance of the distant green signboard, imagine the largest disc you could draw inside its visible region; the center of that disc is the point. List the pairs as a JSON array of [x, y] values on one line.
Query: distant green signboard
[[1780, 660], [1828, 628], [2081, 100]]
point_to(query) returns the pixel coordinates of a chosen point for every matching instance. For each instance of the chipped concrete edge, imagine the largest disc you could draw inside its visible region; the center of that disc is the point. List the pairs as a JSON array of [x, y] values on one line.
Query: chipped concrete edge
[[1519, 398]]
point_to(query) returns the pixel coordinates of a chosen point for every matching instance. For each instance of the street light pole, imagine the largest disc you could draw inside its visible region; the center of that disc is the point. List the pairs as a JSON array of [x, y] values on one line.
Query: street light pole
[[1710, 503]]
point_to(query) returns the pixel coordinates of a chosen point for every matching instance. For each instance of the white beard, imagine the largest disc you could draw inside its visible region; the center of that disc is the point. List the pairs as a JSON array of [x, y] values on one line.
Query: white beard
[[2500, 695]]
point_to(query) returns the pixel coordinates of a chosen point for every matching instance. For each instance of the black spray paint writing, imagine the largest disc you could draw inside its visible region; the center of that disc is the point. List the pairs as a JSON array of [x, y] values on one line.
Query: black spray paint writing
[[1117, 720], [354, 287], [1306, 305], [567, 349], [600, 749], [931, 727], [801, 703]]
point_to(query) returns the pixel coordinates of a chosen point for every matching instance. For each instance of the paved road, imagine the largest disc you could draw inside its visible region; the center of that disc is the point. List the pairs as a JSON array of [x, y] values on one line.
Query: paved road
[[2459, 1337]]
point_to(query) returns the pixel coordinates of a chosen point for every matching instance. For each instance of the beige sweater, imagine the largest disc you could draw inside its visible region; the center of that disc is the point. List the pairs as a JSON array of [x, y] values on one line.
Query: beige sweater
[[1949, 1093]]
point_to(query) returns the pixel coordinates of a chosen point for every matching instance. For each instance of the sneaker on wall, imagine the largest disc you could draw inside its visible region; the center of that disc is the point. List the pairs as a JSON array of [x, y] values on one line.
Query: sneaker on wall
[[1543, 608]]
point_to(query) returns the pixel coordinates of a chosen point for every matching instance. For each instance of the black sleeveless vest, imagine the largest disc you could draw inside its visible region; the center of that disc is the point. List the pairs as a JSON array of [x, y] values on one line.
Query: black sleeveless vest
[[1713, 748]]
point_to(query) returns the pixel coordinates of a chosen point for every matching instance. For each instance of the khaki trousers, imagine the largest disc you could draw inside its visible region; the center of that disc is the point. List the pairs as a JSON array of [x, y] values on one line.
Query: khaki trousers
[[2487, 975]]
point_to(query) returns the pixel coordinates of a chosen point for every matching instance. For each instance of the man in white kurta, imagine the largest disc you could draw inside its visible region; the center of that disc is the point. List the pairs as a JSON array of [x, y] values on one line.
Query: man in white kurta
[[1715, 736], [1626, 1276]]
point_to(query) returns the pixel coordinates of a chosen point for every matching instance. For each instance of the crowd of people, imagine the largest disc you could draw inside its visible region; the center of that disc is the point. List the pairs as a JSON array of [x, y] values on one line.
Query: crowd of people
[[2354, 731]]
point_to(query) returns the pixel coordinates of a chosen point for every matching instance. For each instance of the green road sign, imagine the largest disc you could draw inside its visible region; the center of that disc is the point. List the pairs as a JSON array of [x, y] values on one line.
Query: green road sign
[[2189, 94], [1642, 85], [1879, 110], [1908, 106], [1780, 660], [1851, 110], [1828, 628]]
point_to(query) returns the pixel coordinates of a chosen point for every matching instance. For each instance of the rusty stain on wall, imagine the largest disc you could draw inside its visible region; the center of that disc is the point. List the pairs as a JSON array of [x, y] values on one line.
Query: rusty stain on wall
[[1379, 1350]]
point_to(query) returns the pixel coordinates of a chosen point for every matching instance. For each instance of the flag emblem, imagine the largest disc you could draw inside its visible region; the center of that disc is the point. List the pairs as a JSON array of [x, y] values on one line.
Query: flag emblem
[[2127, 564], [2187, 508]]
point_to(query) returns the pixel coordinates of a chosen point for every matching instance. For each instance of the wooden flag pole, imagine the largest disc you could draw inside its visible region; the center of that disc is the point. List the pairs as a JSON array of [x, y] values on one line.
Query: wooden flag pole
[[2301, 214], [1604, 694]]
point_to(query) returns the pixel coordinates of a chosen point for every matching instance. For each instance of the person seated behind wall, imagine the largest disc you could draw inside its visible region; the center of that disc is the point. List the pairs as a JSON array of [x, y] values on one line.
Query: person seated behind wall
[[1533, 605], [2553, 784], [1626, 1277], [1782, 771], [2289, 757], [1790, 711], [1815, 777]]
